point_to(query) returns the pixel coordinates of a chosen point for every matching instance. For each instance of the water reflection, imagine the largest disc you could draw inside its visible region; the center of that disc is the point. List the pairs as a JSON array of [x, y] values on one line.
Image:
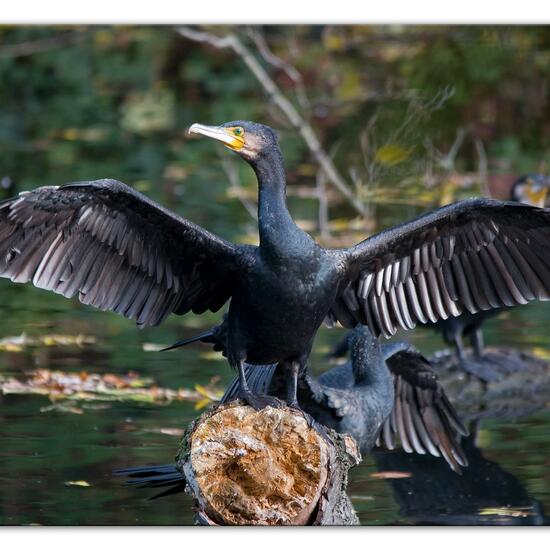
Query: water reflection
[[485, 493]]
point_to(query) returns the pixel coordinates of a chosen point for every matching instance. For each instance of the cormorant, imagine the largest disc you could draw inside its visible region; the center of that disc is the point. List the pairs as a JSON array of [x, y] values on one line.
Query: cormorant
[[533, 190], [117, 250]]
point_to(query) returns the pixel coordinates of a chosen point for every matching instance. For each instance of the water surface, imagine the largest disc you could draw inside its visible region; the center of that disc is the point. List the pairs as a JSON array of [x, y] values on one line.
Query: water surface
[[43, 449]]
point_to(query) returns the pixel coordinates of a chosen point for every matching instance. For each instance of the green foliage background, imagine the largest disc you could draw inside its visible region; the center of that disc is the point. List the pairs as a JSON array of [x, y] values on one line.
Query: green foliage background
[[91, 102]]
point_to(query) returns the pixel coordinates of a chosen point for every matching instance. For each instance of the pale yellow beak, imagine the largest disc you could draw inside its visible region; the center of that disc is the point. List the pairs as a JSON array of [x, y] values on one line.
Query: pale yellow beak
[[225, 135], [537, 197]]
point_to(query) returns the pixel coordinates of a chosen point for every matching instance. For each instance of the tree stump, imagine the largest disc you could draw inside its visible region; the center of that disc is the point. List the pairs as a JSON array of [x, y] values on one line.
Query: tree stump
[[267, 467]]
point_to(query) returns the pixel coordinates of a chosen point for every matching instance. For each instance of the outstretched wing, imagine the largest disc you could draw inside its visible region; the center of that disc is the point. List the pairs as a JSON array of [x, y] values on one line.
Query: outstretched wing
[[473, 255], [116, 250], [423, 418]]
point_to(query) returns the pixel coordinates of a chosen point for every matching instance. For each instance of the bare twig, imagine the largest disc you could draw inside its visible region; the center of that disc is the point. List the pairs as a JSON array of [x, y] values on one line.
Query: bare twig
[[447, 161], [269, 57], [277, 97], [40, 46], [231, 173], [482, 165], [324, 229]]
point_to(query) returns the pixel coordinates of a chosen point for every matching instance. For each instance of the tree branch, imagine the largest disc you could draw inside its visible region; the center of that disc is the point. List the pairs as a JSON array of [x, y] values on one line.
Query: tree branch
[[291, 71], [231, 173], [277, 97], [40, 46]]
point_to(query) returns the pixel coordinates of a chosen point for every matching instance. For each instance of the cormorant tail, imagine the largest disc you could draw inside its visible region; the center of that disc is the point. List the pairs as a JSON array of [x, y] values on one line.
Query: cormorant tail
[[202, 337], [258, 377], [162, 475]]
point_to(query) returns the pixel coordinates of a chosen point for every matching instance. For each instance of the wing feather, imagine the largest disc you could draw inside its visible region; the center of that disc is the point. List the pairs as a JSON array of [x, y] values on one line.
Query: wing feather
[[474, 255], [116, 250], [423, 418]]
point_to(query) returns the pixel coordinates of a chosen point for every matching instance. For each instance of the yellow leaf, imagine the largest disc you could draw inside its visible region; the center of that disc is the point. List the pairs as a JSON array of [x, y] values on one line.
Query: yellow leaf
[[510, 512], [79, 483], [391, 154], [333, 42], [202, 390], [10, 347], [203, 403]]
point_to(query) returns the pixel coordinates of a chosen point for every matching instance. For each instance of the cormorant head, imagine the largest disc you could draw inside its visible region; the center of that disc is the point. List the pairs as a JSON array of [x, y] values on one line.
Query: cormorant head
[[531, 189], [248, 139]]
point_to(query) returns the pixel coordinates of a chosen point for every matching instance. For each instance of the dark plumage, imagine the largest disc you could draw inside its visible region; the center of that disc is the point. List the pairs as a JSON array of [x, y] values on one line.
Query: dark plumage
[[115, 249], [531, 190]]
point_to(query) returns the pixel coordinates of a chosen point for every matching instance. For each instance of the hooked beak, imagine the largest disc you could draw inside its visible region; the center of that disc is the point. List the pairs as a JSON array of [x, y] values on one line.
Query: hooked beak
[[225, 135]]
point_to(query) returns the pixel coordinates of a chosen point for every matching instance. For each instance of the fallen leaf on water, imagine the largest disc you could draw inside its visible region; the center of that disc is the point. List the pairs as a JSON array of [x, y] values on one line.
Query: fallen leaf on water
[[510, 512], [151, 346], [541, 353], [90, 387], [176, 432], [391, 475], [79, 483], [12, 348], [19, 343]]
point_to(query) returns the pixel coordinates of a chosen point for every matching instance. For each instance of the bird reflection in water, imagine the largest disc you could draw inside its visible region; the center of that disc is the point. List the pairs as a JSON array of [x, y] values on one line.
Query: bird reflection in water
[[485, 493]]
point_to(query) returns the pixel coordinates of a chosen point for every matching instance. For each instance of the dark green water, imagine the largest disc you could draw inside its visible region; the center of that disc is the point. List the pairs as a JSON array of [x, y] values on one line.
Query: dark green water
[[41, 451]]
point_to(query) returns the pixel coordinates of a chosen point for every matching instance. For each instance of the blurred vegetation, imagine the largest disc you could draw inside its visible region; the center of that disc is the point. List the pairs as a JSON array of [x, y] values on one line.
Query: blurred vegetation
[[425, 113]]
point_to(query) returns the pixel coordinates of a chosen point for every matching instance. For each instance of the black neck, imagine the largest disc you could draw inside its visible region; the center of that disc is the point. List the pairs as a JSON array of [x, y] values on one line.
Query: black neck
[[274, 219], [368, 365]]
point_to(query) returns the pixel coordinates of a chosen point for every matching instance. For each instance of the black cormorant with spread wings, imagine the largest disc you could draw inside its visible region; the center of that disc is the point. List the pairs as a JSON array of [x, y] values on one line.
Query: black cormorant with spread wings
[[117, 250]]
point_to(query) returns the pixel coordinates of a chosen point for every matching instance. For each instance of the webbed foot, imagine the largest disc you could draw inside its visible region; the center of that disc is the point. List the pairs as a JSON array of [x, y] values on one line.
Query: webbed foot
[[259, 401]]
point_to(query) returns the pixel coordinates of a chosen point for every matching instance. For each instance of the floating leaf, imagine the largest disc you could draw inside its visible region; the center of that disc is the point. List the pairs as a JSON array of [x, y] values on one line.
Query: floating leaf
[[19, 343], [84, 386], [509, 512], [391, 475], [79, 483]]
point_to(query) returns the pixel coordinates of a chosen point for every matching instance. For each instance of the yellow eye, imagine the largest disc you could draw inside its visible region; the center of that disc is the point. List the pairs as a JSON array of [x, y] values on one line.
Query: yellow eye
[[238, 132]]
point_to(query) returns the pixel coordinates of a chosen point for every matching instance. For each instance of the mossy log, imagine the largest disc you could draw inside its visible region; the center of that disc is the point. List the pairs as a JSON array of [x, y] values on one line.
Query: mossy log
[[267, 467]]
